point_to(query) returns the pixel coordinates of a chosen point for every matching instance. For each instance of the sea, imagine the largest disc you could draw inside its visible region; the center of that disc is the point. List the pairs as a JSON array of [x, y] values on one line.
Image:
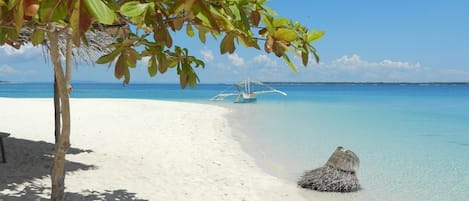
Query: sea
[[412, 139]]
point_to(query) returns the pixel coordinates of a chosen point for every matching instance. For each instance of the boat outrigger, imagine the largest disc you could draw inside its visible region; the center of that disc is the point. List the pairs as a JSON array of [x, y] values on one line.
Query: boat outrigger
[[246, 92]]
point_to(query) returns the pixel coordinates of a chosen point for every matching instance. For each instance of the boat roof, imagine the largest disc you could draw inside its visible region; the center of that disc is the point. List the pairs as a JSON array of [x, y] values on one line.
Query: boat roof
[[242, 84]]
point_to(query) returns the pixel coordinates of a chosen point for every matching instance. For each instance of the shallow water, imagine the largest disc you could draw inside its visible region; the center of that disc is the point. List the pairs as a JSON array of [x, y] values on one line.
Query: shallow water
[[412, 140]]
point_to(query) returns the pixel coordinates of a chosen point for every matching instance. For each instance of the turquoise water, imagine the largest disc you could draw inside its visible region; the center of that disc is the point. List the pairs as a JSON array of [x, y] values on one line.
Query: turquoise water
[[412, 140], [114, 90]]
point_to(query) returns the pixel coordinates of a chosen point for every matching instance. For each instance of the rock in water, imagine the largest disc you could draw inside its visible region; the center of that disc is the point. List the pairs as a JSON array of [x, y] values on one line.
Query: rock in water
[[338, 175]]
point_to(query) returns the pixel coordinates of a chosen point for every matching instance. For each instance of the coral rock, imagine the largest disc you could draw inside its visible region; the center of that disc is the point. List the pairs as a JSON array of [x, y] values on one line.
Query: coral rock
[[338, 175]]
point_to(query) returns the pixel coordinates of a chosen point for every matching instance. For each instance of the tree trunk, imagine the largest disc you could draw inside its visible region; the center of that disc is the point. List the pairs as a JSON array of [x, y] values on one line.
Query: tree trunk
[[61, 147], [56, 112], [68, 60]]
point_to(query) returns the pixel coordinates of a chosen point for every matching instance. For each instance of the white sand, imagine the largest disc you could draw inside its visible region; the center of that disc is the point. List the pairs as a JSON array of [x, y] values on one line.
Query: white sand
[[131, 150]]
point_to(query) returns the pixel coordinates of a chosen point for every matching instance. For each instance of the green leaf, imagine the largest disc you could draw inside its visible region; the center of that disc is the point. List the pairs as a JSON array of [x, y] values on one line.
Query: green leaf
[[192, 79], [52, 11], [133, 8], [2, 3], [75, 23], [168, 39], [202, 33], [121, 67], [152, 68], [19, 16], [197, 62], [162, 63], [314, 35], [109, 57], [132, 57], [100, 11], [204, 19], [304, 57], [280, 22], [206, 15], [289, 63], [268, 22], [37, 37], [234, 9], [85, 40], [227, 44], [12, 4], [285, 35], [183, 79], [245, 26], [189, 30], [248, 42], [183, 5], [177, 24], [126, 77], [316, 56], [172, 62]]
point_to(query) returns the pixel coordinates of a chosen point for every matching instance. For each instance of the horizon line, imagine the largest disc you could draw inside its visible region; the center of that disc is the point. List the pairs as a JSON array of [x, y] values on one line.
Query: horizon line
[[266, 82]]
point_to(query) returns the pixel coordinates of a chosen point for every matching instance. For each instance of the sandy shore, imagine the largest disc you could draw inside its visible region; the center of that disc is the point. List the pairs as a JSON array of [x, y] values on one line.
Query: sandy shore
[[133, 150]]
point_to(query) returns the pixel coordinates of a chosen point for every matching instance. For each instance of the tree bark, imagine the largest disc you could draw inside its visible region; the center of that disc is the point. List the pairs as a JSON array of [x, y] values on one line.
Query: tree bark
[[68, 60], [56, 112], [63, 144]]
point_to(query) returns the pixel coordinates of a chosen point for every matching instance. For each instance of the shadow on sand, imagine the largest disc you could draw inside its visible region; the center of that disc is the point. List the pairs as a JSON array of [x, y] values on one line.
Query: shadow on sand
[[30, 161]]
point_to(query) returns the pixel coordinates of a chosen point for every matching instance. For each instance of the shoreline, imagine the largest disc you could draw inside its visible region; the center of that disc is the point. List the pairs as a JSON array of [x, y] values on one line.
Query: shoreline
[[167, 150], [248, 145], [266, 159]]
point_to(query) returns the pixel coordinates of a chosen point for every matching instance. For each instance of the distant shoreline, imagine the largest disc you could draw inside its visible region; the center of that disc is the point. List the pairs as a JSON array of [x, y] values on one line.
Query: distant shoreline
[[269, 82]]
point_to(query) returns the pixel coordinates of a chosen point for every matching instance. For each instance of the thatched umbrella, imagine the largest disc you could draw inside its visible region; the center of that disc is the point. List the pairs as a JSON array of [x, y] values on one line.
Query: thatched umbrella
[[97, 45], [338, 175]]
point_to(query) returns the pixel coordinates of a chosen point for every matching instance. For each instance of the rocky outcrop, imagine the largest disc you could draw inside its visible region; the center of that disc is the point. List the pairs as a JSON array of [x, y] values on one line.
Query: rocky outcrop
[[338, 175]]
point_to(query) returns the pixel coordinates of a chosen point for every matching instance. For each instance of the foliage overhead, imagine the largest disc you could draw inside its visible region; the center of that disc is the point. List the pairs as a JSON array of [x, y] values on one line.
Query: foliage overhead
[[247, 22]]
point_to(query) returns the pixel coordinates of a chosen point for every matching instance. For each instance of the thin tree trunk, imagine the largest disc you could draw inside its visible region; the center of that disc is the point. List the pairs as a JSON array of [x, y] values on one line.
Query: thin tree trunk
[[68, 60], [58, 169], [56, 111]]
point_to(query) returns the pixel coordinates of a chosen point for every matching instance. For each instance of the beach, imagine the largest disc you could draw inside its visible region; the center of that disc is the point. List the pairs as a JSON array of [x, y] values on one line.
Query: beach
[[126, 149], [157, 142]]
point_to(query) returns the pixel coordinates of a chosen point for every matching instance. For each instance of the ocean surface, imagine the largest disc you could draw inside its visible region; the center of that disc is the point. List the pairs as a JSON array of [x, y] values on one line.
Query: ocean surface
[[412, 140]]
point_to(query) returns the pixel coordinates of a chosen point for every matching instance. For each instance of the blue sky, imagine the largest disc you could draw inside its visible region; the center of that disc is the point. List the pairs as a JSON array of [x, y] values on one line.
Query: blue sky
[[393, 41]]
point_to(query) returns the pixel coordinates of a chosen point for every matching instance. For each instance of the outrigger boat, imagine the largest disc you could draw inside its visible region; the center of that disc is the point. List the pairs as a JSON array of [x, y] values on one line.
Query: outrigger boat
[[246, 92]]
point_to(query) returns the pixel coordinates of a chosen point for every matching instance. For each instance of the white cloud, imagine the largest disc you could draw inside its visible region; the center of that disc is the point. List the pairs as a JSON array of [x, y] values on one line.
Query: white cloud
[[356, 69], [6, 69], [207, 55], [399, 64], [236, 60], [8, 50], [265, 60], [26, 49], [352, 60], [355, 62]]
